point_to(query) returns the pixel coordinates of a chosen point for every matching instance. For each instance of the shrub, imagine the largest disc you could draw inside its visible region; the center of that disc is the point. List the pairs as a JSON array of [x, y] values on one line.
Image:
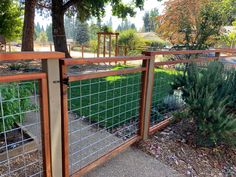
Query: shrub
[[210, 93], [131, 39], [13, 107], [157, 44], [93, 45]]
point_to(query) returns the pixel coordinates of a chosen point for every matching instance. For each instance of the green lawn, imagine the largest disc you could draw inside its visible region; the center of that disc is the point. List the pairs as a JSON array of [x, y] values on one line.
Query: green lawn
[[114, 100]]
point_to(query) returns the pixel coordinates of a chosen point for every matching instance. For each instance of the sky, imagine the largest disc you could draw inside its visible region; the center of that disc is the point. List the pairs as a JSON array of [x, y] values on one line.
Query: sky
[[137, 20]]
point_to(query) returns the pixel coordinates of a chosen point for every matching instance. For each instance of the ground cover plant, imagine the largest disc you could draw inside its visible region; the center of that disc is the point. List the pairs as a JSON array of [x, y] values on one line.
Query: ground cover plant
[[209, 92], [163, 100]]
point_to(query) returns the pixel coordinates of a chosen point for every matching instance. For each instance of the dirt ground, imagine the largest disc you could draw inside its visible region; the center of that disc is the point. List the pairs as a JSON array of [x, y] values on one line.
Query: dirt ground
[[174, 146]]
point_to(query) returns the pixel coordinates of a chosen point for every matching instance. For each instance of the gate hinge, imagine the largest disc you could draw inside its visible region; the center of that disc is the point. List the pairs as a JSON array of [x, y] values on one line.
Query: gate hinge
[[66, 81]]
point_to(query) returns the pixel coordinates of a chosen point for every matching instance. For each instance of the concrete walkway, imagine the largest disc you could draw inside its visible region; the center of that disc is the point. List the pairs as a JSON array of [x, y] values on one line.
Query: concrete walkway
[[133, 163]]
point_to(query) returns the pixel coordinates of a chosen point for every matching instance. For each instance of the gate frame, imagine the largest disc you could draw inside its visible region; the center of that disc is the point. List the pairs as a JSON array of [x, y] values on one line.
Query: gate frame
[[44, 114], [65, 79]]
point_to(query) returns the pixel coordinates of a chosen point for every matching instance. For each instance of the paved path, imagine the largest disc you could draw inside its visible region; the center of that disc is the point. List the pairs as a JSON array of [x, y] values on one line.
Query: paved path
[[133, 163]]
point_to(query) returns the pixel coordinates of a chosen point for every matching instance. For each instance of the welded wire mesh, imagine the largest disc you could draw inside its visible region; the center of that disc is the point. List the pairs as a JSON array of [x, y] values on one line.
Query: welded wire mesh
[[166, 99], [103, 114], [20, 130]]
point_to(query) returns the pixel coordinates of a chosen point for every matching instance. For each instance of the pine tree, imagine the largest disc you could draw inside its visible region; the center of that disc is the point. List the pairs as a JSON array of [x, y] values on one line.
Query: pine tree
[[49, 32], [82, 32]]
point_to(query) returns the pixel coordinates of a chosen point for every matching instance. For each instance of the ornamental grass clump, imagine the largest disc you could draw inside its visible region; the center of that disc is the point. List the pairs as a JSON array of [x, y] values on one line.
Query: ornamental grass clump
[[209, 92]]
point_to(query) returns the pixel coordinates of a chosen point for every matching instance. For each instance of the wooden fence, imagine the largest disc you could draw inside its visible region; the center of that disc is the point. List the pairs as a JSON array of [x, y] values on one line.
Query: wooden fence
[[88, 114]]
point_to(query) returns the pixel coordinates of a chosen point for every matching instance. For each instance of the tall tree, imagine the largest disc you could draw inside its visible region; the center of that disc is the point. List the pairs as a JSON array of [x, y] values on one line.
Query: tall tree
[[125, 25], [146, 22], [82, 32], [69, 27], [194, 24], [85, 9], [149, 20], [49, 32], [28, 28], [11, 23]]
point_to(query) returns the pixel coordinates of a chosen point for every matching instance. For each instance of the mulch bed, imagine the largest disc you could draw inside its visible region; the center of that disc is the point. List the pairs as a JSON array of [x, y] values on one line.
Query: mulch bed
[[175, 147], [24, 165]]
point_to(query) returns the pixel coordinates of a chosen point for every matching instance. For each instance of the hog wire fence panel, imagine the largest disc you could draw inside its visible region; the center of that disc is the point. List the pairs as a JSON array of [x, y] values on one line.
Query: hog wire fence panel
[[167, 100], [103, 114], [21, 142]]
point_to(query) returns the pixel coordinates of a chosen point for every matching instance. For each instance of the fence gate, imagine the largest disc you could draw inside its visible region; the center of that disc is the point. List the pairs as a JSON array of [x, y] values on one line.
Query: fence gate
[[103, 111], [24, 122]]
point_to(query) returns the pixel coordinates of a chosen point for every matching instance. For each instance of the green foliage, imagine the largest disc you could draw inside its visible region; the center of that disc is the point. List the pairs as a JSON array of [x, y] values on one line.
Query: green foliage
[[93, 30], [195, 24], [210, 95], [37, 30], [230, 38], [49, 32], [82, 32], [70, 27], [131, 39], [149, 20], [10, 19], [12, 106], [93, 45], [125, 25], [42, 38], [106, 28], [156, 44]]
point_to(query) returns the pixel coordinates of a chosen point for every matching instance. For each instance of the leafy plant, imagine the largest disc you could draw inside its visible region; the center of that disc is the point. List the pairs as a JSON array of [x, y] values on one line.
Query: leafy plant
[[15, 101], [131, 39], [208, 92], [156, 44]]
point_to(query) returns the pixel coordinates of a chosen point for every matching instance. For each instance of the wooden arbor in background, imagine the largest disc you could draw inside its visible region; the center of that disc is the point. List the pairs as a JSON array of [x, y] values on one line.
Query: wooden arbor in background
[[104, 36]]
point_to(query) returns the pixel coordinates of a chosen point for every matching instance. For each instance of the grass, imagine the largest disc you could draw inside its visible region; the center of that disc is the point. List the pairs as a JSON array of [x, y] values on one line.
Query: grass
[[114, 100]]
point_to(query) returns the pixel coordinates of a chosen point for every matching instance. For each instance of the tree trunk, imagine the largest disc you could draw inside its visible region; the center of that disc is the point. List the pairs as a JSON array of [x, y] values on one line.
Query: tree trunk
[[58, 29], [28, 28]]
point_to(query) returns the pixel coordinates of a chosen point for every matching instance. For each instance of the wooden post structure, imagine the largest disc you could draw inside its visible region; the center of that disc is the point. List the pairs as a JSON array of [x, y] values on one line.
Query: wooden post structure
[[9, 45], [217, 54], [99, 35], [110, 35], [104, 45], [69, 49], [148, 82], [110, 47], [117, 49], [50, 47], [51, 67], [82, 50]]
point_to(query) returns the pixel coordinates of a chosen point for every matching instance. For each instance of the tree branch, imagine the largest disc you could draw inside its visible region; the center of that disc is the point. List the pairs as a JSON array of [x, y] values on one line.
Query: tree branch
[[44, 6], [70, 3]]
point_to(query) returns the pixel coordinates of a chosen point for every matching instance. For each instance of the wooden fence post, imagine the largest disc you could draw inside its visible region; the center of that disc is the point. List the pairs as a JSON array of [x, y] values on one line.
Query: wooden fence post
[[217, 54], [69, 48], [149, 64], [51, 67]]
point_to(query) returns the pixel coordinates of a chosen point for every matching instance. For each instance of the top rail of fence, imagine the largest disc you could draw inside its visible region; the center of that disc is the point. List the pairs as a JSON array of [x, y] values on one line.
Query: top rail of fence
[[195, 60], [74, 61], [179, 52], [30, 55]]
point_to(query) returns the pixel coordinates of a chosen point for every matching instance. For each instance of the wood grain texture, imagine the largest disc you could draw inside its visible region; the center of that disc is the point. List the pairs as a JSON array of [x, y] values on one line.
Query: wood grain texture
[[30, 55]]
